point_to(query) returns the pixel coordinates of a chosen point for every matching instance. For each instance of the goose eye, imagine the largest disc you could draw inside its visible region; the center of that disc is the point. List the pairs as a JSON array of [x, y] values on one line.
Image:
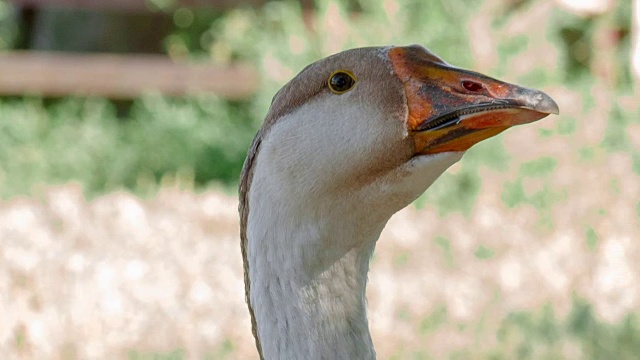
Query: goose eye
[[341, 81]]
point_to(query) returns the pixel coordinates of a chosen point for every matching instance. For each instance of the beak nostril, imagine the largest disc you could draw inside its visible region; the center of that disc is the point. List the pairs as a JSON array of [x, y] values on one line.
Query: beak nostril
[[472, 86]]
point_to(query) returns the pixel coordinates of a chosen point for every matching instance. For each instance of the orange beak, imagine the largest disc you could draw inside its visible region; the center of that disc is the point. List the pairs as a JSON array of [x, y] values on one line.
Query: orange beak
[[452, 109]]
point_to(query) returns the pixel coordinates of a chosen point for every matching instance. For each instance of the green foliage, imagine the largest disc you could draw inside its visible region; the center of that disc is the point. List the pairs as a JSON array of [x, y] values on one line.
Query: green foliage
[[199, 139], [541, 334], [224, 351], [444, 244], [458, 191], [433, 321], [567, 126], [453, 192], [515, 194], [8, 26], [603, 341], [401, 259], [615, 138], [538, 168], [170, 355], [482, 252]]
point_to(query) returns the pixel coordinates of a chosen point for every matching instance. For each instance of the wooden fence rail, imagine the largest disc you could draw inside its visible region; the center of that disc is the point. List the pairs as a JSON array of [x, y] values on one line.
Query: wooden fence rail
[[118, 76], [133, 5]]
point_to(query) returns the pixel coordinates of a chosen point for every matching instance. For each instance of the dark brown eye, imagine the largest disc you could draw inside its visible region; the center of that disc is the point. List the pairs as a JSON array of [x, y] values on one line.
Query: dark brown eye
[[472, 86], [341, 81]]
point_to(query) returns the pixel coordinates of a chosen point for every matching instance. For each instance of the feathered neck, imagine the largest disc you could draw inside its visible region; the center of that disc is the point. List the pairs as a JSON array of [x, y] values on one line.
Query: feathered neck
[[307, 259], [308, 280], [306, 262]]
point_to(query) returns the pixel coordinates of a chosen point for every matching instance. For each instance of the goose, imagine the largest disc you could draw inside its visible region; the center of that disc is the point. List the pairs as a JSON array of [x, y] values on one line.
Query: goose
[[349, 141]]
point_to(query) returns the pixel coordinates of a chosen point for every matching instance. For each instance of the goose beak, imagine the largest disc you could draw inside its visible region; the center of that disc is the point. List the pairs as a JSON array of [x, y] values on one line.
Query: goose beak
[[452, 109]]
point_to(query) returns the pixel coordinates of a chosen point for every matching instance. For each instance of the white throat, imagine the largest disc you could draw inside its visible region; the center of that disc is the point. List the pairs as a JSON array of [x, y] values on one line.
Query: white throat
[[308, 279], [308, 251]]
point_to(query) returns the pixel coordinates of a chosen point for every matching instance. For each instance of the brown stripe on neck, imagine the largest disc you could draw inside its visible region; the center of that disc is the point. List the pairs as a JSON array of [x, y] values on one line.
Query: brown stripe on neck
[[243, 209]]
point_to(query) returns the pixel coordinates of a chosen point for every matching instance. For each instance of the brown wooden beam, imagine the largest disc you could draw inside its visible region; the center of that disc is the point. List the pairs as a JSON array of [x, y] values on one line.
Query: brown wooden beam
[[118, 76], [131, 5]]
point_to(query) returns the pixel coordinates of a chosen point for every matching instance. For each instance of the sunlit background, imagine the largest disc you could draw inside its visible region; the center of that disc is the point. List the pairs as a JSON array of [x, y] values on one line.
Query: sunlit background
[[124, 125]]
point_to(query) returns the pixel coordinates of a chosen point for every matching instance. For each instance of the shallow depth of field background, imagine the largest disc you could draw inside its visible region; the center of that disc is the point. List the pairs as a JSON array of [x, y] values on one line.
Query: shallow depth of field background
[[119, 234]]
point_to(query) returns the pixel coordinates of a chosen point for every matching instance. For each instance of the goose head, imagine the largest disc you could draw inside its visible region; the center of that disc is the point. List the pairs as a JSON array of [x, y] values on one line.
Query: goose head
[[383, 123], [352, 139]]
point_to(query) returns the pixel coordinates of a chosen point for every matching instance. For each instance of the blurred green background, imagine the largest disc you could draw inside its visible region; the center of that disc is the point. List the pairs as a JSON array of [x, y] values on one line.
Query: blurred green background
[[196, 142], [203, 139]]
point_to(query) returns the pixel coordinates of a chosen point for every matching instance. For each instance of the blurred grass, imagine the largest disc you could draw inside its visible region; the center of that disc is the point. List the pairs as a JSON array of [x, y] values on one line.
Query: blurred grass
[[537, 334], [197, 140]]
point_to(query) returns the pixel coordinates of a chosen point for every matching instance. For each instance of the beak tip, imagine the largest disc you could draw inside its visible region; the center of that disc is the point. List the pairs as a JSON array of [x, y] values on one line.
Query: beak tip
[[538, 101], [548, 105]]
